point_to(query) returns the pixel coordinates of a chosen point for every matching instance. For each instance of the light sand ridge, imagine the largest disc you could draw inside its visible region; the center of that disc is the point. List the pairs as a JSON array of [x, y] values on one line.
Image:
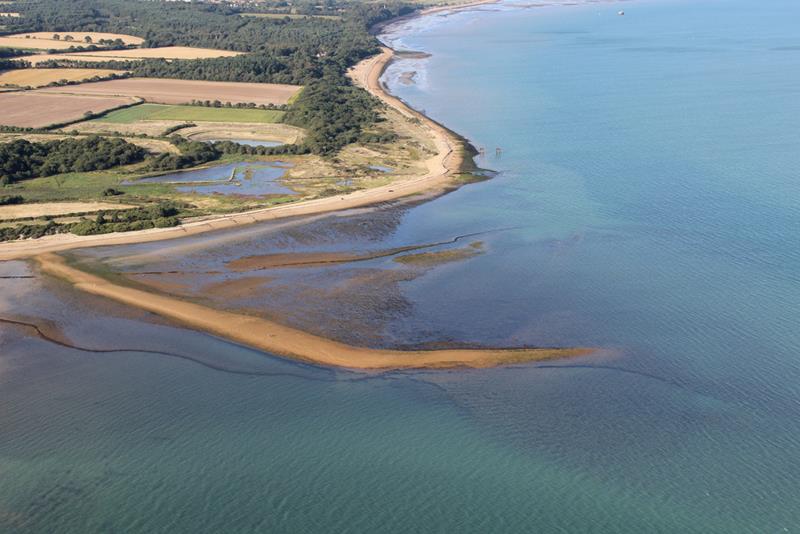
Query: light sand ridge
[[290, 342]]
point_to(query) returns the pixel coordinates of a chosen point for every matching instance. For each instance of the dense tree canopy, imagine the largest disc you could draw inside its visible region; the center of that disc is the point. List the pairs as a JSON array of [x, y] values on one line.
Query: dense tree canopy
[[333, 112], [192, 153], [311, 51], [20, 159], [282, 50]]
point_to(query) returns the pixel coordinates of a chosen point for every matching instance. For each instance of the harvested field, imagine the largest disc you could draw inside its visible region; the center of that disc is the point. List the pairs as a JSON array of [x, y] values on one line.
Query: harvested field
[[204, 131], [169, 91], [25, 211], [182, 114], [213, 131], [41, 58], [155, 128], [36, 110], [43, 77], [156, 146], [151, 145], [167, 52], [35, 44], [78, 38]]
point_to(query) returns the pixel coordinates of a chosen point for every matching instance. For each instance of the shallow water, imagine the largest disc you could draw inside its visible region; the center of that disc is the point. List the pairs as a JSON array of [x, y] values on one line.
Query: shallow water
[[647, 203], [381, 168], [246, 179]]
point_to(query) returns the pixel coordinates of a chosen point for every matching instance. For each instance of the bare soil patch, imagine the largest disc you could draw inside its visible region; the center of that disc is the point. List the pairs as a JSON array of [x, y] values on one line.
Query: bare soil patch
[[35, 109], [154, 128], [167, 52], [209, 131], [42, 77], [152, 145], [25, 211], [168, 91], [78, 38]]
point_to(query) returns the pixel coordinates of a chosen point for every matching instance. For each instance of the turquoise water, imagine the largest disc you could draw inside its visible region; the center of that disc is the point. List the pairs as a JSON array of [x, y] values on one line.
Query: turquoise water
[[647, 202]]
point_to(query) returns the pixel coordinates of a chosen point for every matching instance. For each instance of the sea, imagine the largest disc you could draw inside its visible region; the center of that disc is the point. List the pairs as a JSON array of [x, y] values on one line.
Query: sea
[[644, 200]]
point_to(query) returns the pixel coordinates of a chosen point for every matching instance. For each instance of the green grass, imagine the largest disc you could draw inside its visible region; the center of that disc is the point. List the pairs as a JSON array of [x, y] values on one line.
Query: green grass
[[82, 186], [294, 97], [88, 186], [159, 112]]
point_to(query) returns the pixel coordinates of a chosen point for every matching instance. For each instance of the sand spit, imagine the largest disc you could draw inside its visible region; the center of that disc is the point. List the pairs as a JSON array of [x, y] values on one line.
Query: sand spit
[[290, 342]]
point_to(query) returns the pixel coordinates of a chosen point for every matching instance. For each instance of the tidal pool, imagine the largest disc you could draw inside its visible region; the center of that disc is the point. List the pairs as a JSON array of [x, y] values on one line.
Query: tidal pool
[[245, 179]]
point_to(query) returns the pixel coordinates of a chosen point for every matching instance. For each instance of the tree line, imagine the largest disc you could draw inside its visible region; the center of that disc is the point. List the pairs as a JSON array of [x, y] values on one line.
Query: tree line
[[21, 159], [164, 214], [315, 52]]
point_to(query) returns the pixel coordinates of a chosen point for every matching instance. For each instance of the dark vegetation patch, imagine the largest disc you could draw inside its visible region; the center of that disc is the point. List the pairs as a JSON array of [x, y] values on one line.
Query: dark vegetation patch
[[160, 215], [21, 159], [311, 51]]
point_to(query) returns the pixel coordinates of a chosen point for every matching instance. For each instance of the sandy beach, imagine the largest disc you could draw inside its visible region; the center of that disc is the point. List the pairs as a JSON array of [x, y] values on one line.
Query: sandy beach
[[290, 342]]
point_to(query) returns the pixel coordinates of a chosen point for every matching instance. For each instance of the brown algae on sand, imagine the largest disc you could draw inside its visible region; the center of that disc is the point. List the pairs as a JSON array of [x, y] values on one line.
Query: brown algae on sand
[[439, 257], [290, 342]]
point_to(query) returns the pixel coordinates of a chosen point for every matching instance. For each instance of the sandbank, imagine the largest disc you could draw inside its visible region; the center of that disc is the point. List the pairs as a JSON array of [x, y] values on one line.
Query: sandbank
[[289, 342]]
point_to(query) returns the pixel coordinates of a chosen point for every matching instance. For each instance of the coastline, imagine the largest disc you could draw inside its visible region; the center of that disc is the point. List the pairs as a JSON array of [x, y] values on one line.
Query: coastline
[[449, 161], [290, 342], [453, 156]]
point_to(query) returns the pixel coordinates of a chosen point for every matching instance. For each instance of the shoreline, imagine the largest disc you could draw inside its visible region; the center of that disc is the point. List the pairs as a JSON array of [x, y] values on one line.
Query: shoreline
[[449, 161], [453, 156], [290, 342]]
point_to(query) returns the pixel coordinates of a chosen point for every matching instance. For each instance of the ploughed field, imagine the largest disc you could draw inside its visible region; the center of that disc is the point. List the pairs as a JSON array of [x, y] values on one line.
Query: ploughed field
[[166, 52], [169, 91], [43, 77], [35, 109]]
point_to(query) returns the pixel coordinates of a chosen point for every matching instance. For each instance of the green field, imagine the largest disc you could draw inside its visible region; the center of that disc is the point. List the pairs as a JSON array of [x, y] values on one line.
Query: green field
[[159, 112]]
